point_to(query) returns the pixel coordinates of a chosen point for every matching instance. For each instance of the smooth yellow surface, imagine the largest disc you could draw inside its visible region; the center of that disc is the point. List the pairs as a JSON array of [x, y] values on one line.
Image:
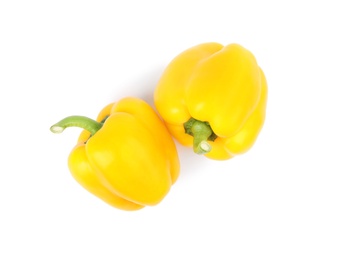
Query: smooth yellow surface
[[222, 85], [131, 162]]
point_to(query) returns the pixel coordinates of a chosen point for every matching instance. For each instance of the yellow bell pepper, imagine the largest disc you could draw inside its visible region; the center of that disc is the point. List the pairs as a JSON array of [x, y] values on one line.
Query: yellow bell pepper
[[213, 97], [126, 157]]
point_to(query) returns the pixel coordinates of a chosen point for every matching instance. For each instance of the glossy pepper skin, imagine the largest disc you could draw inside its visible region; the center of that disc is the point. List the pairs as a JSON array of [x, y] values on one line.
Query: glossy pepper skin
[[131, 161], [220, 88]]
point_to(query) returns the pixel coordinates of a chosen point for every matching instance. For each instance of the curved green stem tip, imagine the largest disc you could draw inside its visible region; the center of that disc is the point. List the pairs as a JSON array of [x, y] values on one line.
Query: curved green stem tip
[[76, 121]]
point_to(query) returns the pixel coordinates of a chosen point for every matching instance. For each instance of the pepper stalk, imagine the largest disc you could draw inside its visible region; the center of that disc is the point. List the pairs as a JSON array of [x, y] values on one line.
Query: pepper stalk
[[202, 133], [76, 121]]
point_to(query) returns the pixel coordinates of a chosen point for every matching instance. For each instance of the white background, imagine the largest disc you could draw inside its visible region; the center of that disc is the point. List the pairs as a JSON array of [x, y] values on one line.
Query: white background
[[281, 200]]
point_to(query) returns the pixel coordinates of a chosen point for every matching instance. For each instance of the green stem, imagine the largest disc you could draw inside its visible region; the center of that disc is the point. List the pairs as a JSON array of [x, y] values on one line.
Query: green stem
[[79, 121], [202, 132]]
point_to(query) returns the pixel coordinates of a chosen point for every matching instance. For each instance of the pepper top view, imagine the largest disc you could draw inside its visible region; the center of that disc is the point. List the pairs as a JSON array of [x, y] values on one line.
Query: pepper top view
[[213, 97]]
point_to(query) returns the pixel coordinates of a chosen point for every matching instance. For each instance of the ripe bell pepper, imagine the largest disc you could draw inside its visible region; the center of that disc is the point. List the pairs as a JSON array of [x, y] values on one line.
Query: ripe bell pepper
[[127, 157], [213, 97]]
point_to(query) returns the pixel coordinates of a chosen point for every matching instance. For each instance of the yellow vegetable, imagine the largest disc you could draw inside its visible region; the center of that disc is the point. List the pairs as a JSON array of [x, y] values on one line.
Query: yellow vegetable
[[213, 97], [127, 157]]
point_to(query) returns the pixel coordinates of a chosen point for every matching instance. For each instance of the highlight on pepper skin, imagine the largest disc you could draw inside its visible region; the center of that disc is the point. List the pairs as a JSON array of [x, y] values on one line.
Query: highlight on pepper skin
[[213, 98], [126, 157]]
